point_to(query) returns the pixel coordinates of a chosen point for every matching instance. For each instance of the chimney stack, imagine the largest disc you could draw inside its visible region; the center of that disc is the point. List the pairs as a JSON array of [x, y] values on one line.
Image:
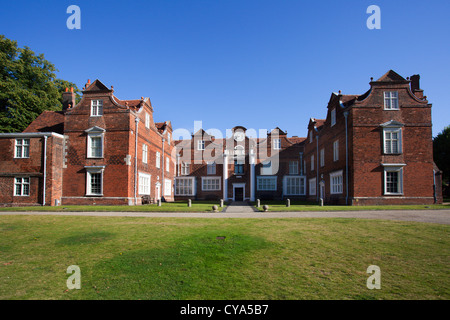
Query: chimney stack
[[68, 98], [415, 86]]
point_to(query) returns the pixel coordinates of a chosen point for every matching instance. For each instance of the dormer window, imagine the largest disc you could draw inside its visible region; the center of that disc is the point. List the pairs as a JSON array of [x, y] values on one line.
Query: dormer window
[[96, 108], [276, 144], [333, 117], [201, 145], [390, 100], [147, 120]]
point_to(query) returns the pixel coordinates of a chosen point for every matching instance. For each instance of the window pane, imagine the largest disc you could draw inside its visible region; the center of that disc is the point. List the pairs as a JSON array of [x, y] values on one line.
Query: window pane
[[18, 189], [96, 185], [392, 182], [96, 147]]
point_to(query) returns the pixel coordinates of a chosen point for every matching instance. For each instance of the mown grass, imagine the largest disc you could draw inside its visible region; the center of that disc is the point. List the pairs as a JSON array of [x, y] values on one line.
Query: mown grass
[[280, 206], [181, 258]]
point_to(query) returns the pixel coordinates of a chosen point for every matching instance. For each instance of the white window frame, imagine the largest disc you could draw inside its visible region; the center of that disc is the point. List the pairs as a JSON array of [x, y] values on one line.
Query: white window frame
[[391, 100], [185, 186], [167, 187], [207, 184], [147, 120], [336, 150], [144, 153], [288, 188], [322, 157], [293, 167], [96, 108], [310, 136], [90, 137], [210, 168], [269, 185], [158, 160], [333, 116], [185, 168], [337, 182], [144, 183], [398, 168], [24, 146], [201, 145], [398, 141], [312, 163], [276, 144], [312, 187], [167, 164], [89, 172], [24, 184], [168, 138]]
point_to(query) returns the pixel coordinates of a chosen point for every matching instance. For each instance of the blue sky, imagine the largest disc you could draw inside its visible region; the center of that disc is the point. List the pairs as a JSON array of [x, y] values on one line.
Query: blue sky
[[256, 63]]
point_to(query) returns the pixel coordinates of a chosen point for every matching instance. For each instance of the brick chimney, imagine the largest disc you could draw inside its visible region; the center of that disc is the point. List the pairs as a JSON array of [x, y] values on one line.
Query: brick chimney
[[68, 98], [415, 86]]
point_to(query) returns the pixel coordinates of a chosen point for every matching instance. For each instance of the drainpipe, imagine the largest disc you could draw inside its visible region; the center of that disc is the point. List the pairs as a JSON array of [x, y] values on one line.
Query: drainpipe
[[346, 158], [163, 169], [45, 170], [317, 168], [434, 186], [301, 163], [135, 160]]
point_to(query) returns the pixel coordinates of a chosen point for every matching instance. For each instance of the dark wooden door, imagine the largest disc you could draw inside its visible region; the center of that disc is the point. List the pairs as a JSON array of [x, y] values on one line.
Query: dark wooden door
[[239, 194]]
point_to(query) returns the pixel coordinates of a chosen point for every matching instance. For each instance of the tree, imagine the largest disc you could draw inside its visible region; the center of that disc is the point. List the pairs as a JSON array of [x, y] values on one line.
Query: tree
[[28, 86], [441, 152]]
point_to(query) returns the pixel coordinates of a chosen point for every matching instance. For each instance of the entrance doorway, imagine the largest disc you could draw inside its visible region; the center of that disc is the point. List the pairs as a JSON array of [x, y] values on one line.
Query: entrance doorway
[[239, 194]]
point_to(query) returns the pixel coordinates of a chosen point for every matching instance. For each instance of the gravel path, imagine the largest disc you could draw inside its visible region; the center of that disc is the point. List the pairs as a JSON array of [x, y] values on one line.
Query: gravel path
[[430, 216]]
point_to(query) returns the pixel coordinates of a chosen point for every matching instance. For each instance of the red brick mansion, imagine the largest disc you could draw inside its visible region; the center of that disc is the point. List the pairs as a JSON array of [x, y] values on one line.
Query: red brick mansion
[[374, 148]]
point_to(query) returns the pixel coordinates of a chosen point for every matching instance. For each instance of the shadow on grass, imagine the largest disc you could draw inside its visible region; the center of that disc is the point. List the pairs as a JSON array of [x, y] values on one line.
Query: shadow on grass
[[86, 238], [203, 266]]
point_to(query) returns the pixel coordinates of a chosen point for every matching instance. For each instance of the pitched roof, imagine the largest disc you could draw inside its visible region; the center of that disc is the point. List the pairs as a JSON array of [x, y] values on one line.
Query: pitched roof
[[97, 85], [48, 121], [296, 139], [392, 76], [160, 126]]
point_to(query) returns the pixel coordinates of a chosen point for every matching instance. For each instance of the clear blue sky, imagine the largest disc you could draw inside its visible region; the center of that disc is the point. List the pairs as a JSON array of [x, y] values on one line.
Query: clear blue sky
[[256, 63]]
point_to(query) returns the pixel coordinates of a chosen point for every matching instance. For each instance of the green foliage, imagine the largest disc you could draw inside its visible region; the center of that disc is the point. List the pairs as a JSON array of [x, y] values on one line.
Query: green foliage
[[441, 152], [28, 86]]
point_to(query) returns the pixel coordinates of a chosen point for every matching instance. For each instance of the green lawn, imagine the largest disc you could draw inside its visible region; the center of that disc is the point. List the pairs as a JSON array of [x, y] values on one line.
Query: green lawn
[[182, 258], [277, 206], [178, 206]]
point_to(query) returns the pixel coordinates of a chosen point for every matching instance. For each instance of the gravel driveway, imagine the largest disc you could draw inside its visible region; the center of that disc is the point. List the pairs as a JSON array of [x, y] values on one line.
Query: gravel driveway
[[430, 216]]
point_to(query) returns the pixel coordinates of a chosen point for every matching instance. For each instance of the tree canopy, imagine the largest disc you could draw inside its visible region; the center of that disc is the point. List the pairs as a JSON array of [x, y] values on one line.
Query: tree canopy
[[28, 86], [441, 150]]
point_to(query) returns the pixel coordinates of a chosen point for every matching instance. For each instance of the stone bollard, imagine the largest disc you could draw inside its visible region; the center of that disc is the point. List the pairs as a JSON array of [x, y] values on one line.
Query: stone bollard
[[221, 203], [159, 202], [189, 203], [258, 203], [321, 202], [288, 203], [215, 208], [265, 208]]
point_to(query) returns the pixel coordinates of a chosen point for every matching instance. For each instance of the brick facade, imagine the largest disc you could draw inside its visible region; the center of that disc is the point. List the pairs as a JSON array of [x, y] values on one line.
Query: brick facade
[[374, 148]]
